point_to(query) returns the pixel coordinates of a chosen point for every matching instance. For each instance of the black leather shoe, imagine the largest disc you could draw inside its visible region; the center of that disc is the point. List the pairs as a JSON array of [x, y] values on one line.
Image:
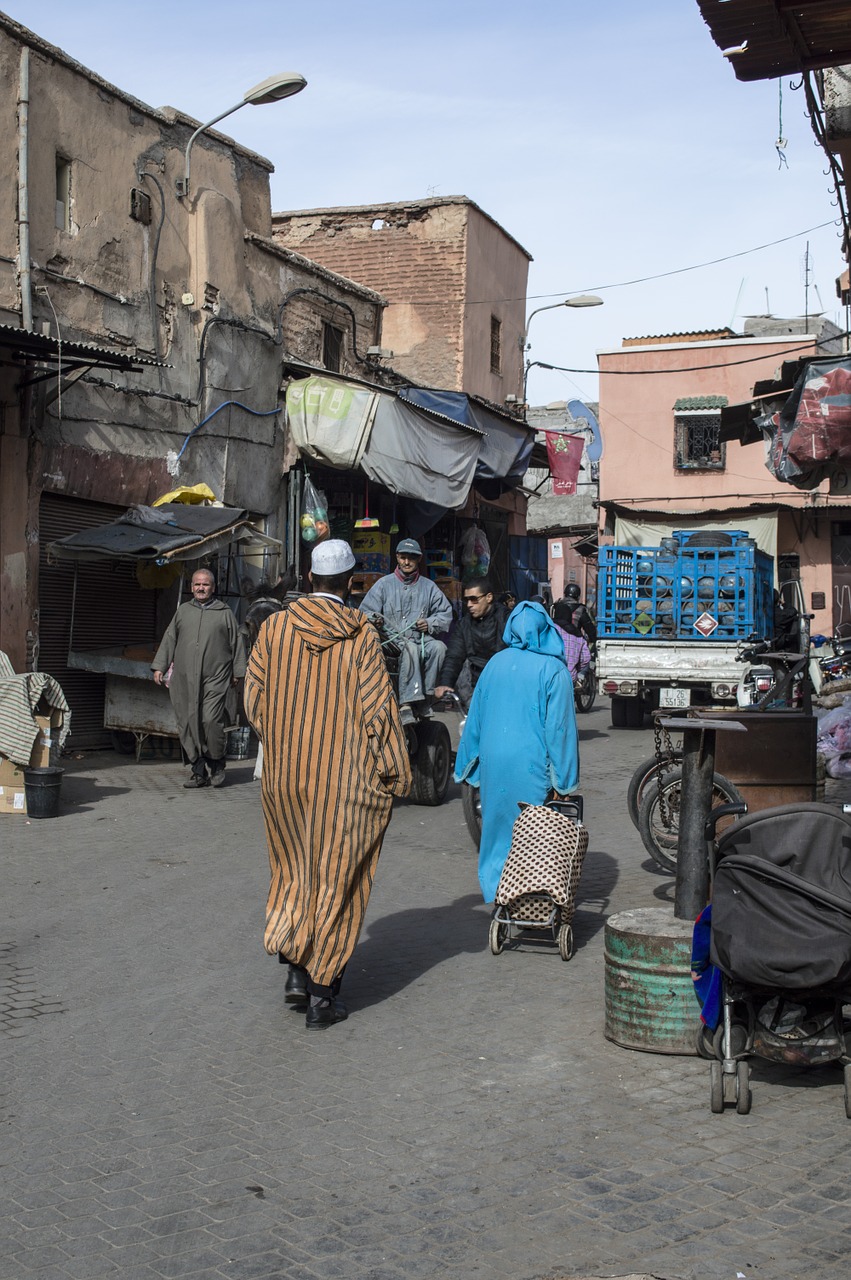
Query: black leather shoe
[[325, 1015], [295, 988], [197, 780]]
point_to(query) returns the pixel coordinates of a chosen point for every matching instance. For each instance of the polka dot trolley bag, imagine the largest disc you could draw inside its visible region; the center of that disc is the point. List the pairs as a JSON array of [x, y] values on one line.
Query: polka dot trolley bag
[[537, 888]]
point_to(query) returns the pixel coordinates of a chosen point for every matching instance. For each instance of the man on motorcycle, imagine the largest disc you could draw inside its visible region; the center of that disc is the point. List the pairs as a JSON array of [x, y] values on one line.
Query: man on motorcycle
[[477, 637], [573, 610]]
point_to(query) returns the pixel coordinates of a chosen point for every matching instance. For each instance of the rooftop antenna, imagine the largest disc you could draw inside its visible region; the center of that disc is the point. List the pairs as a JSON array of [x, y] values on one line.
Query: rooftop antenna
[[807, 274], [736, 303], [767, 303]]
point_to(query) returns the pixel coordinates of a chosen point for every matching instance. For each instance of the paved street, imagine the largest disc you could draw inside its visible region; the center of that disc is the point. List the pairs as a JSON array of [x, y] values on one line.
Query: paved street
[[165, 1114]]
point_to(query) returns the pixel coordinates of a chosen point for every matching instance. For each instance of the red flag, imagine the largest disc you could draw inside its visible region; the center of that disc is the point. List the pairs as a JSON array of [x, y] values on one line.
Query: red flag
[[564, 453]]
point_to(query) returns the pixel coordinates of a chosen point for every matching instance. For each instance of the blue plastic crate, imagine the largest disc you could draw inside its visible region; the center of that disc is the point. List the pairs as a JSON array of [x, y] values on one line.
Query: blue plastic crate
[[708, 593]]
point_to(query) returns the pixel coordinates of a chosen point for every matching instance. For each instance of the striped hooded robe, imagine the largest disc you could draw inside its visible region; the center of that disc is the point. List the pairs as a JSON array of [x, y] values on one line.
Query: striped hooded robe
[[334, 755]]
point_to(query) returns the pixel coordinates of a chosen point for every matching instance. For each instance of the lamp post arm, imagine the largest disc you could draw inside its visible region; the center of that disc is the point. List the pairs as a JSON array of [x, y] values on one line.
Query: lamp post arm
[[182, 184]]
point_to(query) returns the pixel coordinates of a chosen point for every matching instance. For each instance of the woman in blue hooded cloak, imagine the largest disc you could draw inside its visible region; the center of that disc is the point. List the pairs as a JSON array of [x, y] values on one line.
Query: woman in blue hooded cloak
[[519, 742]]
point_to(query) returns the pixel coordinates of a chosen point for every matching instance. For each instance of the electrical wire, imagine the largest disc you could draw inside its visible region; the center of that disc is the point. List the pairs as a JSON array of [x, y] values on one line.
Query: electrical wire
[[623, 284]]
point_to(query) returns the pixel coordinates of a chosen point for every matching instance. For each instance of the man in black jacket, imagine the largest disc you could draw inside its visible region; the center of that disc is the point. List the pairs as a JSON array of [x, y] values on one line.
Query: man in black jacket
[[477, 637]]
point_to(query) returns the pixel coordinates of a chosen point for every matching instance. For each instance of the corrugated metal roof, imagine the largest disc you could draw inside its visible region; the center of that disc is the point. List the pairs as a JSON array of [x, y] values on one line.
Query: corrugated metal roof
[[40, 346], [695, 335], [768, 38]]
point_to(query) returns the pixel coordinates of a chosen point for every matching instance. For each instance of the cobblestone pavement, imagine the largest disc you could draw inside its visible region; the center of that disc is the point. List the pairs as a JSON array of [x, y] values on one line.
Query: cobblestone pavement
[[165, 1114]]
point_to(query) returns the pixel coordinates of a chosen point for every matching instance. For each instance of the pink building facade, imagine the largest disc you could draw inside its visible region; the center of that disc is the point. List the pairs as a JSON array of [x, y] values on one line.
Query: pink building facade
[[664, 466]]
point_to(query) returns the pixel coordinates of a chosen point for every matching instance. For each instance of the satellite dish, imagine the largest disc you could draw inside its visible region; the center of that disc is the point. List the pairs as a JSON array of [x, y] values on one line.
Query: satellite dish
[[580, 412]]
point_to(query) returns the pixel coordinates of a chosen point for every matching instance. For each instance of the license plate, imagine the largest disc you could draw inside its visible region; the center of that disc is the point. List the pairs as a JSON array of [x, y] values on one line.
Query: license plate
[[674, 697]]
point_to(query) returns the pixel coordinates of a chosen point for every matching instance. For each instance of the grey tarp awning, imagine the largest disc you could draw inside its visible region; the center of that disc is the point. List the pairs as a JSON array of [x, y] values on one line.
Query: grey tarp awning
[[411, 451], [174, 531], [419, 456]]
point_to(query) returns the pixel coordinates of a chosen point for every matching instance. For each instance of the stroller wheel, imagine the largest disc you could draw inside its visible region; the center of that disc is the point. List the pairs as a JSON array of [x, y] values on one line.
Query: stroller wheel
[[565, 942], [716, 1088], [703, 1042], [846, 1076], [497, 936], [743, 1087]]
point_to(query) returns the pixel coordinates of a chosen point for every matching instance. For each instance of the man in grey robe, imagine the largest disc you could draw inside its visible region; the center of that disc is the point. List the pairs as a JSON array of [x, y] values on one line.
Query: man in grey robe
[[415, 612], [207, 655]]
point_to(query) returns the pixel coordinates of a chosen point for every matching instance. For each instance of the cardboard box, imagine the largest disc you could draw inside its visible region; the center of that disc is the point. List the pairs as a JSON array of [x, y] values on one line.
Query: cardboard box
[[12, 796], [361, 582], [45, 753], [451, 587], [371, 542], [372, 562]]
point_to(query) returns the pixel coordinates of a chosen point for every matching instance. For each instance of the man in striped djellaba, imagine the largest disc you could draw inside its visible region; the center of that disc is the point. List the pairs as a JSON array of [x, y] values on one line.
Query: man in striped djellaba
[[334, 755]]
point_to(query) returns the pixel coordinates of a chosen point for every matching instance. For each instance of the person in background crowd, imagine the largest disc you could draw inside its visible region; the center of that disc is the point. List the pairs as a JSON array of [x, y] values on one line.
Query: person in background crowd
[[576, 652], [414, 612], [319, 697], [207, 653], [509, 599], [579, 613], [519, 742], [477, 637]]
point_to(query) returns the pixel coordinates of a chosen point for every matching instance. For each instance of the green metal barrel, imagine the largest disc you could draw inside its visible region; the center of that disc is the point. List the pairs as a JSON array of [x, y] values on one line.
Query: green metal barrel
[[650, 1000]]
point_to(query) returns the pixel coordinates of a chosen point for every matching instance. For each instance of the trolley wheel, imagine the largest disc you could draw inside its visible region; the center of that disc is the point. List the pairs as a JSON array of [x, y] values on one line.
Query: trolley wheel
[[564, 938], [846, 1076], [471, 803], [498, 935], [743, 1087], [716, 1088]]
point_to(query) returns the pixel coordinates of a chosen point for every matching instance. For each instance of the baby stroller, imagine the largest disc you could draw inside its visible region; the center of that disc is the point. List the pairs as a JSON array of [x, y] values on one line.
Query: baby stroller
[[537, 888], [781, 941]]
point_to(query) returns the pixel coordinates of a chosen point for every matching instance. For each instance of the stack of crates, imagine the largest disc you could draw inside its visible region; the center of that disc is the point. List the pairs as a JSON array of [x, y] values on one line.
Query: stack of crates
[[678, 591]]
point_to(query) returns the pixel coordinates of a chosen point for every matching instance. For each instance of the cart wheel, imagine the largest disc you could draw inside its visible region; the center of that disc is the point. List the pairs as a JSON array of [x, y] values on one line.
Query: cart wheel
[[497, 936], [743, 1087], [703, 1042], [565, 942], [846, 1076], [716, 1088]]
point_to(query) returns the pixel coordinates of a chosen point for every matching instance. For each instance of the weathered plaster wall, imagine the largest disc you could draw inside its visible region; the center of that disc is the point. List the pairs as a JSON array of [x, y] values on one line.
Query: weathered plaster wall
[[497, 276]]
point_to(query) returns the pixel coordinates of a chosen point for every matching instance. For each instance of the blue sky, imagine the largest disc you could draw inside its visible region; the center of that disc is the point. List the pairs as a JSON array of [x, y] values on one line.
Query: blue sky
[[612, 140]]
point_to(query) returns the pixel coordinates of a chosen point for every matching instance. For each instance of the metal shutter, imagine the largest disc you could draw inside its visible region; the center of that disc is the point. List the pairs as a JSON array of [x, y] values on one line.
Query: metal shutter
[[111, 609]]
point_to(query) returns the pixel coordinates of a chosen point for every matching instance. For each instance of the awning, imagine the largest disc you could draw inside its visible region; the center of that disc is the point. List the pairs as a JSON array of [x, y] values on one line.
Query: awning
[[507, 445], [764, 39], [414, 452], [172, 532], [23, 344]]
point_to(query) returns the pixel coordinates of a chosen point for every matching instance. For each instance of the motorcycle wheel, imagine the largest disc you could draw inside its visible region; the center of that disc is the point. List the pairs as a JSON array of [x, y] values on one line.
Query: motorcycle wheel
[[644, 774], [662, 842], [584, 693], [471, 802]]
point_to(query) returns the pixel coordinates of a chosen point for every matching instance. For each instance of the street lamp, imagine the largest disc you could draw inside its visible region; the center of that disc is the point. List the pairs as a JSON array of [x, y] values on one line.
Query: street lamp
[[272, 89], [581, 300]]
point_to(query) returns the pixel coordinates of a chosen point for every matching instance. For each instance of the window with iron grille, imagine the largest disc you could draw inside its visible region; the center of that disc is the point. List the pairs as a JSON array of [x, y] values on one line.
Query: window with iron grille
[[496, 344], [332, 347], [697, 442]]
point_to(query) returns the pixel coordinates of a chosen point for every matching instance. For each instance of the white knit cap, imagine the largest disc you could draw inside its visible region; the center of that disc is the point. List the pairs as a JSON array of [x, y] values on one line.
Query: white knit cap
[[332, 557]]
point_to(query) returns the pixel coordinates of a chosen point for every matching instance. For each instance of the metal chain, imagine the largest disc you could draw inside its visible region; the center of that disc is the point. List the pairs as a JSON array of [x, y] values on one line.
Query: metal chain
[[664, 764]]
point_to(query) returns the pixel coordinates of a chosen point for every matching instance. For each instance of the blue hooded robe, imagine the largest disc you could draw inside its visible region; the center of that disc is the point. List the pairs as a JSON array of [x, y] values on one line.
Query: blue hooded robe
[[519, 741]]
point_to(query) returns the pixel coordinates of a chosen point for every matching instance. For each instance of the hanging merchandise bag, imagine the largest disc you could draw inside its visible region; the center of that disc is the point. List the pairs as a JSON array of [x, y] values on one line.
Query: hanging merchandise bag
[[314, 520], [475, 552]]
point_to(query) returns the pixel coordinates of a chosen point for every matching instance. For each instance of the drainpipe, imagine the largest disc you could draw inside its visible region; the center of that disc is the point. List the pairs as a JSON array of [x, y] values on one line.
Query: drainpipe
[[23, 192]]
